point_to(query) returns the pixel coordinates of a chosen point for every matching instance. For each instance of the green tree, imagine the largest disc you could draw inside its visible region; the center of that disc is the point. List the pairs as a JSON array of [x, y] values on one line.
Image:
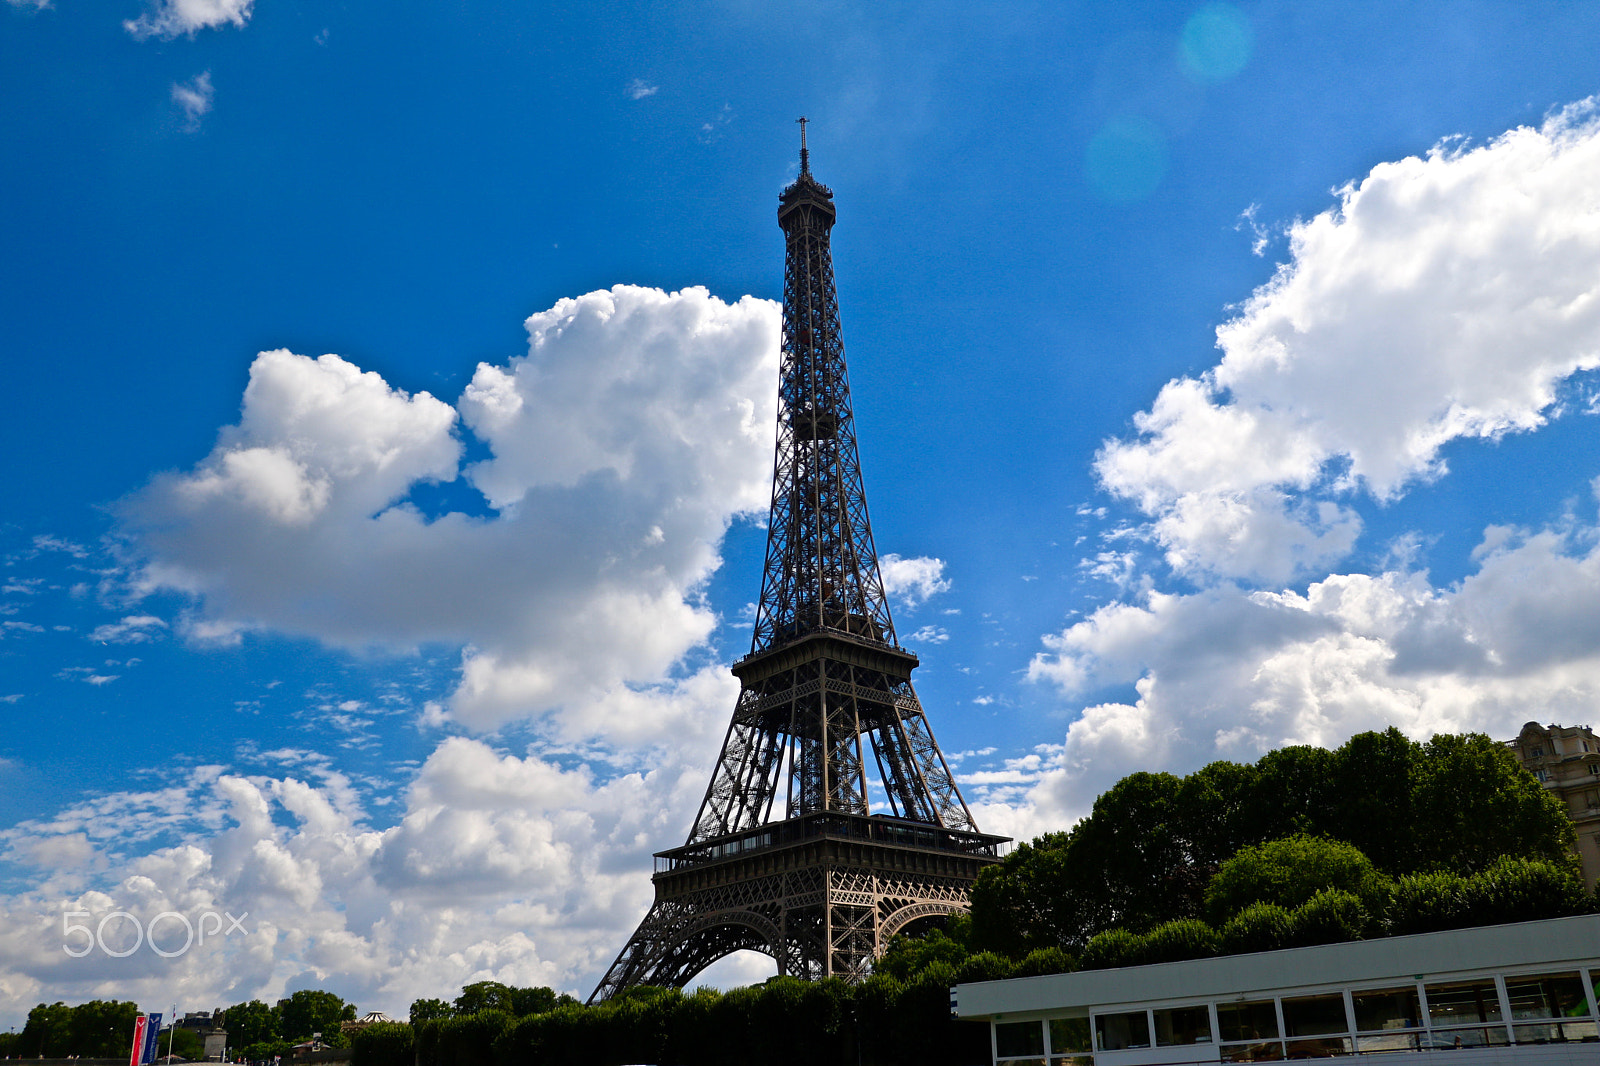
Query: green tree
[[426, 1010], [909, 955], [263, 1051], [1372, 798], [48, 1032], [1139, 842], [1219, 812], [1153, 842], [1293, 793], [1289, 872], [538, 1000], [485, 995], [102, 1028], [250, 1023], [183, 1043], [1474, 803], [311, 1010], [1027, 900]]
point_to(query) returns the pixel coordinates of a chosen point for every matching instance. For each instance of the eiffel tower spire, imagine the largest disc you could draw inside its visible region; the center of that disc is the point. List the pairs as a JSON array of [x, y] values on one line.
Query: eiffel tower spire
[[825, 684]]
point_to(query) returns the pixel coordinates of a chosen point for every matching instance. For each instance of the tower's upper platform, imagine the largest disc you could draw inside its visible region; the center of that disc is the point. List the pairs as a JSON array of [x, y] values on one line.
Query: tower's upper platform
[[805, 190]]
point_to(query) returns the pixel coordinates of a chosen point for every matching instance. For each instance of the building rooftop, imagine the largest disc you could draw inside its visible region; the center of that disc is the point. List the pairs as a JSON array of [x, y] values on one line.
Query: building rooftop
[[1548, 943]]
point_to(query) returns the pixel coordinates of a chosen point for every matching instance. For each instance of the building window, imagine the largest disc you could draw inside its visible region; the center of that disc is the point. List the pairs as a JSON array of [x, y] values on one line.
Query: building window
[[1069, 1042], [1542, 775], [1254, 1022], [1594, 768], [1537, 753], [1118, 1032], [1553, 995], [1247, 1021], [1463, 1001], [1460, 1003], [1385, 1014], [1183, 1025], [1314, 1015], [1388, 1008], [1014, 1040], [1556, 996]]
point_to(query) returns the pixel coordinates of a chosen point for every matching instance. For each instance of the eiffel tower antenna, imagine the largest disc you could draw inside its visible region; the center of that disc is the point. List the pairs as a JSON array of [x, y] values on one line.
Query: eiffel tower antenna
[[825, 884]]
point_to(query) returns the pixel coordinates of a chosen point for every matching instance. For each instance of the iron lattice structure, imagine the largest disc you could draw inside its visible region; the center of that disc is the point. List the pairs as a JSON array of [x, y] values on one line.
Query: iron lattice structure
[[824, 887]]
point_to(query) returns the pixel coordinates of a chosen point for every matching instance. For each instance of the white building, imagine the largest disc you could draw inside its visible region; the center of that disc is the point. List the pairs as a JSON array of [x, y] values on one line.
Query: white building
[[1492, 996]]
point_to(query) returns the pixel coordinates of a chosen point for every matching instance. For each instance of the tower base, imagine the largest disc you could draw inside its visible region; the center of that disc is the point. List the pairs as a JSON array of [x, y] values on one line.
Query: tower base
[[821, 894]]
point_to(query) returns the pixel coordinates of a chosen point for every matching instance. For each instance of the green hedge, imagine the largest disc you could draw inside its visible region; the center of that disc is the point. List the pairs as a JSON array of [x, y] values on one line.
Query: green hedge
[[468, 1039], [1259, 927], [1331, 916], [384, 1044], [785, 1022], [1509, 890]]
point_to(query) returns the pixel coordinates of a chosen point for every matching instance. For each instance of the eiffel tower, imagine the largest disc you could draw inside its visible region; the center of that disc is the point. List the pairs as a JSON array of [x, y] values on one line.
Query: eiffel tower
[[823, 888]]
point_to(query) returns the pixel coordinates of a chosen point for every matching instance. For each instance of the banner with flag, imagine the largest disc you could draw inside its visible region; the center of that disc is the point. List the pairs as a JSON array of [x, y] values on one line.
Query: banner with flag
[[136, 1056], [152, 1037]]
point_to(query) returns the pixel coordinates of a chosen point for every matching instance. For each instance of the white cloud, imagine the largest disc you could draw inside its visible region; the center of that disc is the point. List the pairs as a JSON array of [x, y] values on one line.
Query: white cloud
[[38, 5], [913, 581], [173, 18], [621, 446], [133, 629], [44, 542], [1230, 674], [1444, 297], [500, 867], [711, 132], [195, 98], [638, 89]]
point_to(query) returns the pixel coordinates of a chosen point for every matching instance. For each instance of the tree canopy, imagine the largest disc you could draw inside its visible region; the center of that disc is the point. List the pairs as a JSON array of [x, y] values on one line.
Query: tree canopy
[[1152, 843]]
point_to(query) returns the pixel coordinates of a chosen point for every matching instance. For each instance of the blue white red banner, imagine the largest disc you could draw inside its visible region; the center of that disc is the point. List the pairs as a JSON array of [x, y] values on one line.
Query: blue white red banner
[[152, 1037], [136, 1056]]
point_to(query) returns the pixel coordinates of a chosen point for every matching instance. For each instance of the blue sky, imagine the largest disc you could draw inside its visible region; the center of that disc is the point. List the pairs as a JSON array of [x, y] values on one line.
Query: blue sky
[[388, 425]]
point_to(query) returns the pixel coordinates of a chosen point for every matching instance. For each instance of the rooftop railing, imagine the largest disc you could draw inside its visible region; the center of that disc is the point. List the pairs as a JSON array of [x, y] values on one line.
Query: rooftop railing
[[877, 829]]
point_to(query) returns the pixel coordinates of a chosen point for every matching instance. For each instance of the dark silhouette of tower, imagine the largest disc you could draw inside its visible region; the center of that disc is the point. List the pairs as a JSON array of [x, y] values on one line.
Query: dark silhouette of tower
[[822, 888]]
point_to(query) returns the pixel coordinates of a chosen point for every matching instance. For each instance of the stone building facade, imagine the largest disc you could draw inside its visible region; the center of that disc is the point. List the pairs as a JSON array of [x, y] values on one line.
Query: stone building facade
[[1566, 758]]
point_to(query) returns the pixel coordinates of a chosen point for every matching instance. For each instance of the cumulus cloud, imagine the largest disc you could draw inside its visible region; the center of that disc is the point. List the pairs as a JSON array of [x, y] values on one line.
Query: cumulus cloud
[[500, 867], [620, 446], [195, 98], [913, 581], [1444, 297], [638, 89], [1229, 673], [173, 18]]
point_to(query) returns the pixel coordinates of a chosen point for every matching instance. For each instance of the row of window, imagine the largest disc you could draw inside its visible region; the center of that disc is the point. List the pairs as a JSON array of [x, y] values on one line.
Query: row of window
[[1541, 1008]]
